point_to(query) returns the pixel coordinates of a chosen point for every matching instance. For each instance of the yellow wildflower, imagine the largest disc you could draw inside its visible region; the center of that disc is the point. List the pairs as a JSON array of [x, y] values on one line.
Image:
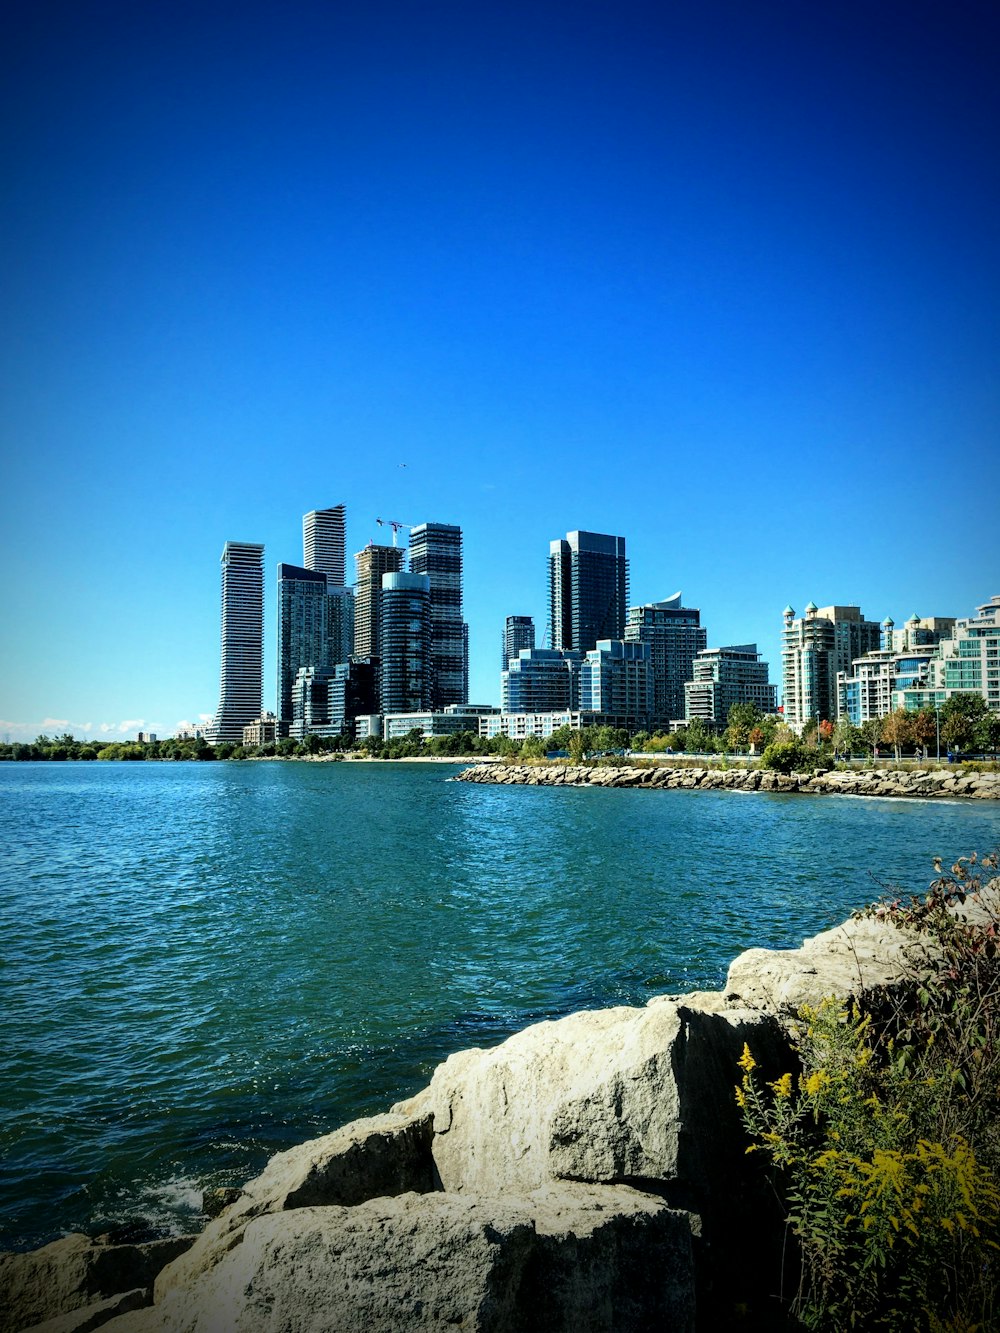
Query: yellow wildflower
[[782, 1087], [747, 1061]]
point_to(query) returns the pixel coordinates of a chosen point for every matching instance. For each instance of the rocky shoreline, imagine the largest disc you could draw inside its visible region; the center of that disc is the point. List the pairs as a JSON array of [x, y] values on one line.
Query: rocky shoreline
[[923, 783], [588, 1173]]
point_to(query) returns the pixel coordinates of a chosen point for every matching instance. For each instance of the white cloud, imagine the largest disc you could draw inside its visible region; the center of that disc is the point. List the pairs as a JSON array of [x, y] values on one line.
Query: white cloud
[[50, 723], [133, 724]]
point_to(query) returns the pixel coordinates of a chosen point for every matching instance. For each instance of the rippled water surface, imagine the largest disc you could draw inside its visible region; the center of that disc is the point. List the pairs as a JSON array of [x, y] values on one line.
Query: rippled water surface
[[203, 963]]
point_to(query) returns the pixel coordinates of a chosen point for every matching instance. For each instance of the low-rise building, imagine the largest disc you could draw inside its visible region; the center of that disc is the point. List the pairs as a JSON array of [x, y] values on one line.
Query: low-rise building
[[966, 663], [450, 721], [261, 731]]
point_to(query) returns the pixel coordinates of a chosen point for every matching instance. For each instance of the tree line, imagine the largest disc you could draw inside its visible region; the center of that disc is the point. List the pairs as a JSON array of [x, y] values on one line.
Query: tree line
[[962, 725]]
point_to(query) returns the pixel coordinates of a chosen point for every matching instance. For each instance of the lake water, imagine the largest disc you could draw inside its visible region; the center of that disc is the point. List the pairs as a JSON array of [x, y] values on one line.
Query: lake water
[[205, 963]]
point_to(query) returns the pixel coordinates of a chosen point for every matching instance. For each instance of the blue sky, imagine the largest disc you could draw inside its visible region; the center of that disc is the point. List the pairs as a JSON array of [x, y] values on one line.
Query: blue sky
[[720, 277]]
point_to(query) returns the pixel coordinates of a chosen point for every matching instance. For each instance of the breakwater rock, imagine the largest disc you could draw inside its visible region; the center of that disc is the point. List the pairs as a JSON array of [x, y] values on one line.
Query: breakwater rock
[[588, 1173], [918, 782]]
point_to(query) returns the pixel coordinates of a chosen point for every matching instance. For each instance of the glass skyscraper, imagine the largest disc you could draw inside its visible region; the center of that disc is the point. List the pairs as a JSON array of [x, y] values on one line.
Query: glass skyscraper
[[436, 551], [241, 691], [588, 589], [315, 628], [406, 667], [518, 633]]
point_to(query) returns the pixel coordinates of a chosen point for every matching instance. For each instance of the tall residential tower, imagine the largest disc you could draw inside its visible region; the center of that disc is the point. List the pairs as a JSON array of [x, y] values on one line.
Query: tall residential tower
[[372, 563], [324, 542], [675, 637], [436, 551], [241, 692], [588, 589]]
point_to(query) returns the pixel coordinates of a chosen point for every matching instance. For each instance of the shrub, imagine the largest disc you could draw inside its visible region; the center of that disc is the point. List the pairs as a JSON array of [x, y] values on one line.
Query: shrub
[[886, 1144], [790, 757]]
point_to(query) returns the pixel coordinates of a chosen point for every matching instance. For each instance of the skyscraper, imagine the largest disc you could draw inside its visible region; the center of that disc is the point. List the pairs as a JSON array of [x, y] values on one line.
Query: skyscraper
[[372, 563], [814, 648], [436, 551], [406, 667], [675, 638], [588, 589], [518, 633], [323, 542], [241, 692], [315, 628]]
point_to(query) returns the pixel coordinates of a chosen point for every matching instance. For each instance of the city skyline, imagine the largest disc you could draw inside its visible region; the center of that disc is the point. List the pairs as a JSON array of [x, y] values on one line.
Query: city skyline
[[720, 280]]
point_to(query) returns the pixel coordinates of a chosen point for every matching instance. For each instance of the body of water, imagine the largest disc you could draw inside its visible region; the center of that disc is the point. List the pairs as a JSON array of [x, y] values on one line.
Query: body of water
[[205, 963]]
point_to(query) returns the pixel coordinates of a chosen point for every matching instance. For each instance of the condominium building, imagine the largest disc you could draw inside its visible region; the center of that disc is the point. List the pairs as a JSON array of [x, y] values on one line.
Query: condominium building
[[315, 628], [518, 633], [588, 589], [406, 663], [323, 543], [241, 691], [540, 680], [451, 721], [436, 552], [814, 648], [675, 637], [871, 689], [372, 563], [966, 663], [616, 679], [726, 676], [261, 731], [327, 702]]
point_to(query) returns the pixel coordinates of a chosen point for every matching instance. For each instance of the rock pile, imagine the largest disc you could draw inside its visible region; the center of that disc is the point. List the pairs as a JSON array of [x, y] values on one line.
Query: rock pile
[[921, 782], [587, 1173]]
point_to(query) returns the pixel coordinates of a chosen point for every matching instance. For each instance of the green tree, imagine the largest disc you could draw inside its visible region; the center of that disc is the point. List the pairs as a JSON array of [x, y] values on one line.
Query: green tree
[[698, 738], [741, 720], [961, 715]]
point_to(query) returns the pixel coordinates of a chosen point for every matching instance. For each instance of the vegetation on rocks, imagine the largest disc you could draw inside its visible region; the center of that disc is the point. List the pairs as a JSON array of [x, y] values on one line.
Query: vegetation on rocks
[[885, 1143]]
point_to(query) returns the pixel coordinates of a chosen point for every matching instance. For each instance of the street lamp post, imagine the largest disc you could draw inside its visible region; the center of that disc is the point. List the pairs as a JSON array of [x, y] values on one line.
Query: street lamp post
[[937, 728]]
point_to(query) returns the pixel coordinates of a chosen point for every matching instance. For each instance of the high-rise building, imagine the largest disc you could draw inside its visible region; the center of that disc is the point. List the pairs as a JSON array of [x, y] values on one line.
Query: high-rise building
[[518, 633], [814, 648], [541, 680], [616, 681], [241, 692], [406, 665], [436, 551], [675, 637], [315, 628], [727, 676], [323, 543], [588, 589], [372, 563]]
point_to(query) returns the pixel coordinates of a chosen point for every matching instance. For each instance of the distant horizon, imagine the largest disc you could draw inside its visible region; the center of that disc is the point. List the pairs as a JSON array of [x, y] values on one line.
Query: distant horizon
[[721, 279]]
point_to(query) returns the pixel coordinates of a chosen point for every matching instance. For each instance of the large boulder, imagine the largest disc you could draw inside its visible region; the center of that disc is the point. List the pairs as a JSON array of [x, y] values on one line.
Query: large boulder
[[608, 1096], [75, 1272], [384, 1155], [562, 1259]]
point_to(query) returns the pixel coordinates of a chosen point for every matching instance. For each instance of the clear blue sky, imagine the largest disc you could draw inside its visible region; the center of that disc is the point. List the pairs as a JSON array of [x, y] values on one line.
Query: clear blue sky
[[722, 277]]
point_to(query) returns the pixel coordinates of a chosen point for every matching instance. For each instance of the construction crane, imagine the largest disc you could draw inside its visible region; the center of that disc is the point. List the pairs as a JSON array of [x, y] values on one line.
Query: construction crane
[[391, 523]]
